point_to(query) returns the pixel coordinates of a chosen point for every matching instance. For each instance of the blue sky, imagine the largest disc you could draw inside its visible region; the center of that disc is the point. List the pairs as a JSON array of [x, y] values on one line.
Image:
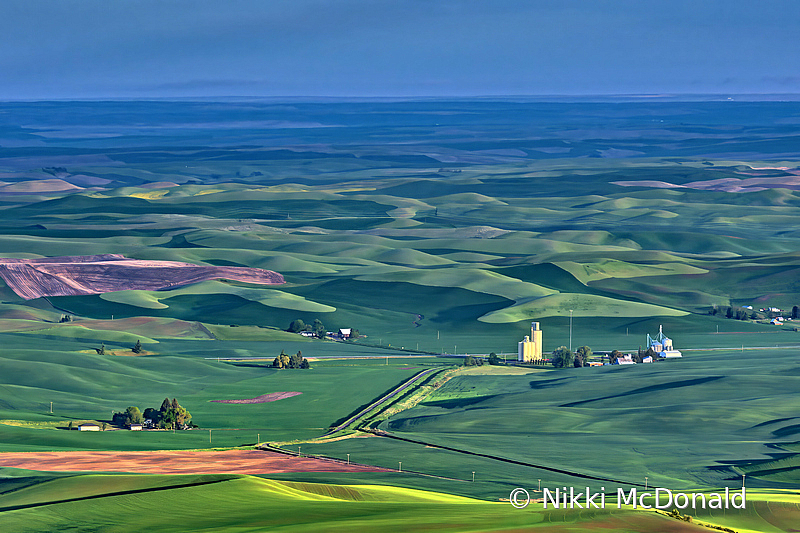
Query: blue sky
[[173, 48]]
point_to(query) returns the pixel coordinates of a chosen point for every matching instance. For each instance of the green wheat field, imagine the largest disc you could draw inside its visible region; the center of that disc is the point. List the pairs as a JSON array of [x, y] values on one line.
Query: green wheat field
[[437, 229]]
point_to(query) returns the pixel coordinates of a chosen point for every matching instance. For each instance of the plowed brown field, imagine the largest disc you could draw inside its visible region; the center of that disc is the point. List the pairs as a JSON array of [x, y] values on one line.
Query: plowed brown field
[[98, 274], [264, 398], [176, 462]]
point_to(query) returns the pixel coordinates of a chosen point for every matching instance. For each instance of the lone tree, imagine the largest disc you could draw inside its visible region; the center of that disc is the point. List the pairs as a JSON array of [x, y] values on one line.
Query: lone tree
[[318, 329], [493, 359], [134, 415], [137, 348], [131, 415], [281, 361], [297, 326], [613, 356], [582, 356], [795, 312], [152, 414], [101, 350], [562, 357]]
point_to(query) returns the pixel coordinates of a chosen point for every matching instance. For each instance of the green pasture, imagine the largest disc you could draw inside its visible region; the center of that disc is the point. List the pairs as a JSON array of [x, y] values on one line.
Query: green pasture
[[242, 503], [697, 421], [443, 227], [87, 386]]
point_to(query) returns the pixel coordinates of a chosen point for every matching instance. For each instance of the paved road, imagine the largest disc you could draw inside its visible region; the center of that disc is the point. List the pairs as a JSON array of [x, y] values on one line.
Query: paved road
[[420, 376]]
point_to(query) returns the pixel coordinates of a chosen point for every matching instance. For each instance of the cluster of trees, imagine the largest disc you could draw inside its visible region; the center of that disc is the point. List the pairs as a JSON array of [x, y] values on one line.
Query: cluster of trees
[[295, 361], [739, 313], [473, 361], [563, 357], [736, 313], [170, 415], [493, 359], [317, 328]]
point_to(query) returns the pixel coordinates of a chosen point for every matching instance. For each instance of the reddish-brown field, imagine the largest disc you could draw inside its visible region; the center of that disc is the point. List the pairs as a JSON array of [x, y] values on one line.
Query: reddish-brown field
[[176, 462], [98, 274], [264, 398]]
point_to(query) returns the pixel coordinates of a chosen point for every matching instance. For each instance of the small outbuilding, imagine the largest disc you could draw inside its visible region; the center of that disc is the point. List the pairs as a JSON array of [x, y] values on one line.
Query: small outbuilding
[[135, 427], [89, 427]]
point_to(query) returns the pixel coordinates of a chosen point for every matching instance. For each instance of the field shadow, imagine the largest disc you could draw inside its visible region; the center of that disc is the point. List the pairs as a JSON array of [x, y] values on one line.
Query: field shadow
[[652, 388]]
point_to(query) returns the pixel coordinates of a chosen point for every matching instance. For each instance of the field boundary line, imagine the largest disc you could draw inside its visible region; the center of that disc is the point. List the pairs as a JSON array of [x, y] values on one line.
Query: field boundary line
[[381, 433], [120, 493]]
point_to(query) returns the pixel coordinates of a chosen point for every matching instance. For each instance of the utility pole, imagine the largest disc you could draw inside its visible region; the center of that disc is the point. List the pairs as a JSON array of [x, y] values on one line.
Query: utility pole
[[473, 477], [570, 330], [258, 439], [51, 408], [348, 458], [400, 466], [645, 482]]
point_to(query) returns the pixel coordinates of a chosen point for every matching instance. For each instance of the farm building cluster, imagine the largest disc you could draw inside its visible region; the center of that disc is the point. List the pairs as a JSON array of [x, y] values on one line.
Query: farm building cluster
[[529, 349]]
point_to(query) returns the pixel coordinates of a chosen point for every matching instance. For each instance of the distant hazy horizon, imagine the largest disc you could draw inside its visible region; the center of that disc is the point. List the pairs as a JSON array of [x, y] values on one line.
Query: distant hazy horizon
[[533, 98], [404, 48]]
